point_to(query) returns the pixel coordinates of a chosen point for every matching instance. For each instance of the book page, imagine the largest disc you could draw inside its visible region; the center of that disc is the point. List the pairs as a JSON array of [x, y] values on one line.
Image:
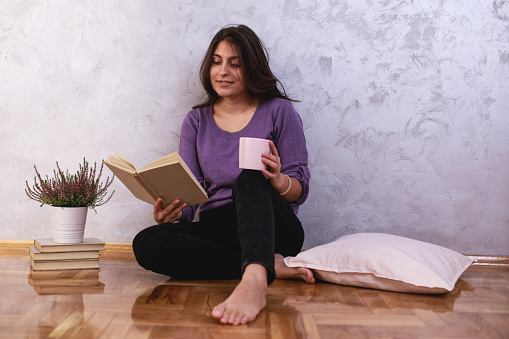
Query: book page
[[124, 159], [119, 164], [166, 160], [133, 182]]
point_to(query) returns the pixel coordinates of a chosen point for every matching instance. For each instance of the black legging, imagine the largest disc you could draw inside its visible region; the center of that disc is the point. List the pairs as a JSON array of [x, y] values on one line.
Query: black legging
[[258, 224]]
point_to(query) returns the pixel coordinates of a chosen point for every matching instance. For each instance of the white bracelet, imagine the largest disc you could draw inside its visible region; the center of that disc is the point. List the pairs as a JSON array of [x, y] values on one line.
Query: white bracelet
[[289, 186]]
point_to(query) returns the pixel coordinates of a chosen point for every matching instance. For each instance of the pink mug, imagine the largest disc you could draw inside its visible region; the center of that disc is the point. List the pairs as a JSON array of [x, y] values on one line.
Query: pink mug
[[250, 153]]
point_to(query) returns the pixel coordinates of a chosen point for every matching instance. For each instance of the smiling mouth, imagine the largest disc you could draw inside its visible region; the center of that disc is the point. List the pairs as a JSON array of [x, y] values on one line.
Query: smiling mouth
[[224, 82]]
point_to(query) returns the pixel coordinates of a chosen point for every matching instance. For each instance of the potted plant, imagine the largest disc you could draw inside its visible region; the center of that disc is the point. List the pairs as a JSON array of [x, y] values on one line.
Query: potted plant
[[70, 196]]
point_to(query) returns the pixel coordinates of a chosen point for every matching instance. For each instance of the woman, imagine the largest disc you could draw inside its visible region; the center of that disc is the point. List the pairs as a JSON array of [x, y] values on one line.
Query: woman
[[249, 224]]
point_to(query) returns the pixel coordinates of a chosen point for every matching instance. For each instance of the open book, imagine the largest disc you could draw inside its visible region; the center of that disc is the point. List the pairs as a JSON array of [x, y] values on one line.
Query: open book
[[167, 178]]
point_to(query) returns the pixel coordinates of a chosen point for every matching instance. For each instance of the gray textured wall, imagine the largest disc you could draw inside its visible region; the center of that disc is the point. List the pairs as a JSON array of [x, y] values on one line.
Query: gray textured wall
[[405, 107]]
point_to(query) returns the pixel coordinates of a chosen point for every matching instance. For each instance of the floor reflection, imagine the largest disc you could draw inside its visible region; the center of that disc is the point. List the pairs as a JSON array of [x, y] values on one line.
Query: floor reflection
[[65, 282], [347, 298], [64, 310]]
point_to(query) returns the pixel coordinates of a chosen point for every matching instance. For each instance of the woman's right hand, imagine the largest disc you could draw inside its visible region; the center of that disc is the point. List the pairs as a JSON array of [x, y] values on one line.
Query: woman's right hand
[[170, 214]]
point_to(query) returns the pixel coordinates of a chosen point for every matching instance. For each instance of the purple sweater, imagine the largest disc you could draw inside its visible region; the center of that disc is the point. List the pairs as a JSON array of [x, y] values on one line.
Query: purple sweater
[[212, 154]]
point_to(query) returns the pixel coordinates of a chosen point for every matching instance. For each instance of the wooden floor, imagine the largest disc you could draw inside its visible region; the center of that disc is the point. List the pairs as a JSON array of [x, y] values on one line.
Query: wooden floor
[[122, 300]]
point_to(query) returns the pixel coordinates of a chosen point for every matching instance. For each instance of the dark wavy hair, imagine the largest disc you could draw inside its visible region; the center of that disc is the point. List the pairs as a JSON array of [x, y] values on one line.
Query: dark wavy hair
[[254, 63]]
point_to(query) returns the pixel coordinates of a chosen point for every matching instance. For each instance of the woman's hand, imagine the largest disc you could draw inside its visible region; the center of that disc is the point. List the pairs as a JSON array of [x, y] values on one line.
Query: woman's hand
[[273, 171], [289, 188], [170, 214]]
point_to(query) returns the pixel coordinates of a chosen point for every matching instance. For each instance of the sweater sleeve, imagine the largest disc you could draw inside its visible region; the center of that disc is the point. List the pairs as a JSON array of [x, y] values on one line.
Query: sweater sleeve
[[188, 152], [291, 145]]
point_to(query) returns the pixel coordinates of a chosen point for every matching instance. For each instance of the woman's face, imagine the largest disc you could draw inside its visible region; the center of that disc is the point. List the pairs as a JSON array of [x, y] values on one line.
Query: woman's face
[[226, 71]]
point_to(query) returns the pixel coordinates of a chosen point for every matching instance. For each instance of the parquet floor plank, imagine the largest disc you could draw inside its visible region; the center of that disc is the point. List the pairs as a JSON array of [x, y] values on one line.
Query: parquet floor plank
[[430, 318], [281, 326], [122, 300], [309, 325], [72, 326], [196, 304], [367, 320], [138, 332], [498, 322], [215, 299]]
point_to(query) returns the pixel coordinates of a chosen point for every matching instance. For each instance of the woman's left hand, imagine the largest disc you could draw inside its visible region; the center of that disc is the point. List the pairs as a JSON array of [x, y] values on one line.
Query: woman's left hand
[[273, 171]]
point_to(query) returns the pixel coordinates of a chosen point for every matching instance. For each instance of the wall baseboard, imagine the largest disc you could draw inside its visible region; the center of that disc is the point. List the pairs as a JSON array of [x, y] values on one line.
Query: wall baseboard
[[490, 260], [125, 251]]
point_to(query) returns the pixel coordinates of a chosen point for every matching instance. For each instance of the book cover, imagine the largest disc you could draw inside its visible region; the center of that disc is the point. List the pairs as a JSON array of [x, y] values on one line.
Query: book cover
[[88, 244], [38, 255], [167, 178], [64, 264]]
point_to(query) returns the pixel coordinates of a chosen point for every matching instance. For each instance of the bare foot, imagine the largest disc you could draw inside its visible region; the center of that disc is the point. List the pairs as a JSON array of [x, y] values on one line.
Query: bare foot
[[285, 272], [247, 300]]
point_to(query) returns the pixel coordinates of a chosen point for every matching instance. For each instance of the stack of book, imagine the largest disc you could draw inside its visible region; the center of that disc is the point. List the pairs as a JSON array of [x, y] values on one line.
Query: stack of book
[[48, 255]]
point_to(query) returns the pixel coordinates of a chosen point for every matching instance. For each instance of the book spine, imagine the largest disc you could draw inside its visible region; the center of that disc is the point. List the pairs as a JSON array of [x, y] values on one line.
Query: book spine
[[65, 255], [70, 248], [147, 188], [64, 264]]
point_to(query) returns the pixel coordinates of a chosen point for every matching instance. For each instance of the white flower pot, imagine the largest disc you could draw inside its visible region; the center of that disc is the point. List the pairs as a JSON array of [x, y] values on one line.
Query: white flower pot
[[68, 224]]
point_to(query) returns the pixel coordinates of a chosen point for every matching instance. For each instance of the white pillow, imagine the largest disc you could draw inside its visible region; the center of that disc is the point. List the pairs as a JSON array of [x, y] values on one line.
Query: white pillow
[[385, 262]]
